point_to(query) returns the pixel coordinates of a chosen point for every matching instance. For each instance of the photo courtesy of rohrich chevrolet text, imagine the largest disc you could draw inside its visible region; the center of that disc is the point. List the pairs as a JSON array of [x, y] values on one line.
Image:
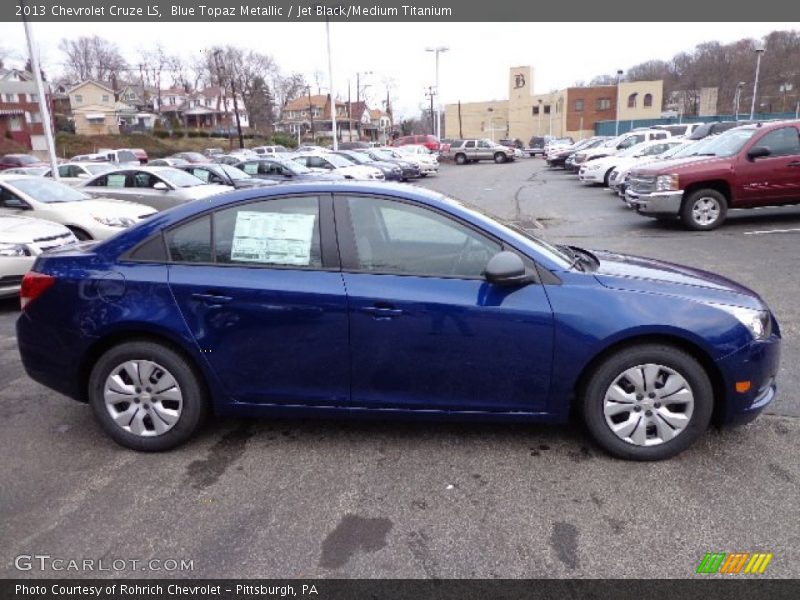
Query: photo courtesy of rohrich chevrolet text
[[443, 300]]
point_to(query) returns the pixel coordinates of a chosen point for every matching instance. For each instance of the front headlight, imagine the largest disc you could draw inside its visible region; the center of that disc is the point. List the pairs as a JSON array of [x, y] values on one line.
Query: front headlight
[[114, 221], [759, 322], [667, 183], [14, 250]]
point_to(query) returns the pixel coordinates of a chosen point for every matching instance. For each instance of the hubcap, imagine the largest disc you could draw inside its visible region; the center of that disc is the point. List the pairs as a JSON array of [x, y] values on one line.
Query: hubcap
[[705, 211], [143, 398], [648, 405]]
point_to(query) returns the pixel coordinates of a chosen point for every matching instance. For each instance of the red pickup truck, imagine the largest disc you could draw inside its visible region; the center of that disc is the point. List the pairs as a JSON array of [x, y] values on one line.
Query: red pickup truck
[[746, 167]]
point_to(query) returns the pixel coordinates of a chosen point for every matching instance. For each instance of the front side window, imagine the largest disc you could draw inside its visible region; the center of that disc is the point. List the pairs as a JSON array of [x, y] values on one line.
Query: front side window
[[394, 237], [282, 232], [781, 142]]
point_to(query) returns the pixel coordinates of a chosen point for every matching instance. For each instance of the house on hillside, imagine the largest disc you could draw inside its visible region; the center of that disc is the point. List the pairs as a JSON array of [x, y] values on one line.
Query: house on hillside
[[20, 115], [95, 109]]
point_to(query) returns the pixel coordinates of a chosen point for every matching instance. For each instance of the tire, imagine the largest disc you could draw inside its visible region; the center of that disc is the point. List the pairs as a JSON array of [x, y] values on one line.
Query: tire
[[500, 158], [647, 424], [461, 159], [607, 177], [82, 235], [178, 412], [704, 210]]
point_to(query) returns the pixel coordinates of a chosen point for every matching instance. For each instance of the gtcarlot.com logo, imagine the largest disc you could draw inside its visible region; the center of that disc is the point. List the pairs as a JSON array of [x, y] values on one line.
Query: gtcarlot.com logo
[[46, 562], [735, 563]]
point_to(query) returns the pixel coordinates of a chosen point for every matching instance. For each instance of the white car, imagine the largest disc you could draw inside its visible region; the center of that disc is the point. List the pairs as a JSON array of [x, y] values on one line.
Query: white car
[[426, 160], [73, 173], [270, 150], [600, 169], [335, 163], [619, 143], [88, 218], [618, 177], [22, 239]]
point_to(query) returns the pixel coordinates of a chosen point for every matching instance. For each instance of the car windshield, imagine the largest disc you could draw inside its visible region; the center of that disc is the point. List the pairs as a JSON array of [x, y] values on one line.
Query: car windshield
[[728, 143], [25, 159], [195, 156], [234, 173], [48, 191], [677, 148], [694, 148], [383, 153], [179, 179], [633, 150], [98, 169], [338, 161], [294, 167]]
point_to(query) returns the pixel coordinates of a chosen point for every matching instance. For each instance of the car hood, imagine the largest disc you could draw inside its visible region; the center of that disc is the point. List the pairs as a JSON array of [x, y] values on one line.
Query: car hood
[[677, 163], [358, 171], [23, 230], [103, 207], [319, 175], [638, 274]]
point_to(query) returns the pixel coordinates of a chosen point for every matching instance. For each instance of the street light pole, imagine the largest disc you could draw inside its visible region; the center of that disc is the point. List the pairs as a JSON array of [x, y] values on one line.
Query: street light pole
[[438, 50], [759, 48], [737, 100], [330, 80], [616, 123], [540, 117]]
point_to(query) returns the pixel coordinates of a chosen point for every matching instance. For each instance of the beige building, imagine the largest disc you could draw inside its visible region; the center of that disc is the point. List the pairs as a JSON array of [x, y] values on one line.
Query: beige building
[[95, 109], [569, 112]]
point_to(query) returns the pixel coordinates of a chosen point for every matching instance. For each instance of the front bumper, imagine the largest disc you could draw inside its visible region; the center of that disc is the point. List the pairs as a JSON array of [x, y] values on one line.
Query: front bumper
[[428, 169], [12, 269], [593, 176], [657, 203], [757, 363]]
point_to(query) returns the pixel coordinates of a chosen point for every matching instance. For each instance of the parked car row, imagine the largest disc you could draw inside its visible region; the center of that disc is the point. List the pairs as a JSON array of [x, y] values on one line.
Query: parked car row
[[697, 175]]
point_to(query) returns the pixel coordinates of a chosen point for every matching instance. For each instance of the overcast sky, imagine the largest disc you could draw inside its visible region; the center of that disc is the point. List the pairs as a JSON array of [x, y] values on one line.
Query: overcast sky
[[475, 68]]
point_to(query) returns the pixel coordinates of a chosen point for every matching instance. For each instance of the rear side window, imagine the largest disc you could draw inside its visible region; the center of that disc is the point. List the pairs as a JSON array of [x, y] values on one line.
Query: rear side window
[[191, 242], [151, 251], [283, 232]]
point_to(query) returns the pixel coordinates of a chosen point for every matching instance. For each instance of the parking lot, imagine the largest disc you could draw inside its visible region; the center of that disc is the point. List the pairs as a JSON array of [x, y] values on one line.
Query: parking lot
[[372, 499]]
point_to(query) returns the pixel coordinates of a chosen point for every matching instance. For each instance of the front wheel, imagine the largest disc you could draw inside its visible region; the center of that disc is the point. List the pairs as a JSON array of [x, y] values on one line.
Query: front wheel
[[499, 158], [704, 210], [461, 159], [647, 402], [146, 396]]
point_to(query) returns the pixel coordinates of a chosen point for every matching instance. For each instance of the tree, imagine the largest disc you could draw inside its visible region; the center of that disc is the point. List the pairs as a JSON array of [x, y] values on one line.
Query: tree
[[92, 58]]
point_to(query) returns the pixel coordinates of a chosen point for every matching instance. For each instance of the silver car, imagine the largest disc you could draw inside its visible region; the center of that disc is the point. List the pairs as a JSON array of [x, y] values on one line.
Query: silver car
[[159, 187]]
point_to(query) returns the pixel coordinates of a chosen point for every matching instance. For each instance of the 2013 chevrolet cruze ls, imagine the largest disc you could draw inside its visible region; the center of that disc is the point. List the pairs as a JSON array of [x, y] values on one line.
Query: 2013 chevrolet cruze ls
[[346, 298]]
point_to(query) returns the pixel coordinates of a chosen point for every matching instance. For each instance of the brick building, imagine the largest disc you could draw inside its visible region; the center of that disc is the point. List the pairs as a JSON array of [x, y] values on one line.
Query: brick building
[[20, 116]]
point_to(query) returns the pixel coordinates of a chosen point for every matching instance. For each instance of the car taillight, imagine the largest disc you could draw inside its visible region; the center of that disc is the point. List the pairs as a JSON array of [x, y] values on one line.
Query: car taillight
[[34, 285]]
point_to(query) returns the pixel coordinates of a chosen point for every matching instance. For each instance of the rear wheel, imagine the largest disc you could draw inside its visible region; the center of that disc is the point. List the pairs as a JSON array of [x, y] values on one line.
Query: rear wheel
[[499, 157], [461, 159], [647, 402], [704, 210], [146, 396]]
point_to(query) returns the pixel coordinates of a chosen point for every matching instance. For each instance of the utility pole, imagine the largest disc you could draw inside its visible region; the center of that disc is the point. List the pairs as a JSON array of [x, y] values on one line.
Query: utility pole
[[44, 109], [330, 81], [437, 51], [616, 121], [759, 50], [460, 130], [311, 114], [431, 92]]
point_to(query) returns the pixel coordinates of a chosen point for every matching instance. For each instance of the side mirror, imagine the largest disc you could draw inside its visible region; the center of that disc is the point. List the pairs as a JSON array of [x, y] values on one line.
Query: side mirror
[[161, 186], [758, 152], [506, 268]]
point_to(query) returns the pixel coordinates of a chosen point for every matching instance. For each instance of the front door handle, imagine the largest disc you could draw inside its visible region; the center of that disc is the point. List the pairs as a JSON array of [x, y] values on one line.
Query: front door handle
[[382, 310], [212, 299]]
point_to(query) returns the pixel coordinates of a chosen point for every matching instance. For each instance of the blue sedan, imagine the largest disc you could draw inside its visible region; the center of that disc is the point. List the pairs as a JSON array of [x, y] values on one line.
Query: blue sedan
[[325, 298]]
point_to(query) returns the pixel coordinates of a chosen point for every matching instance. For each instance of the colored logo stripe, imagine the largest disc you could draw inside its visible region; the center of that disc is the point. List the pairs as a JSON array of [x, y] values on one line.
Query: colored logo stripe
[[723, 562]]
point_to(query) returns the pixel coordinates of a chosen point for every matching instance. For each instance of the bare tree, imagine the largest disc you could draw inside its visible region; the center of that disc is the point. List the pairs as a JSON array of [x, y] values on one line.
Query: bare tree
[[93, 58]]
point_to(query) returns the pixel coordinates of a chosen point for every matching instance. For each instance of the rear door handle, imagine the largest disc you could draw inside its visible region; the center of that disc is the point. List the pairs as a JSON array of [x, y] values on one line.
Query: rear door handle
[[212, 299]]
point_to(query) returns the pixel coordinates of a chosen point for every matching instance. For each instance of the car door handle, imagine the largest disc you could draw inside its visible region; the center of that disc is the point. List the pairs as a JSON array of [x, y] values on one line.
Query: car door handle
[[212, 299], [382, 311]]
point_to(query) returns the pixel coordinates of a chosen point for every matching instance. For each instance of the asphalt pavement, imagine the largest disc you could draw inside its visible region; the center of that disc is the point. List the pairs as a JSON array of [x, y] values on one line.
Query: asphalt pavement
[[297, 498]]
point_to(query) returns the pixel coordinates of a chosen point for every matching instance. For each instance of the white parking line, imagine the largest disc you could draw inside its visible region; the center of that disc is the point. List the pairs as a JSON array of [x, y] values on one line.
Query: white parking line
[[765, 231]]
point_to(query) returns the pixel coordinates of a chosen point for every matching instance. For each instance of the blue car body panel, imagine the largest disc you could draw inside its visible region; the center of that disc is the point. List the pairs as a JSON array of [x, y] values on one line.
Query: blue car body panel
[[299, 341]]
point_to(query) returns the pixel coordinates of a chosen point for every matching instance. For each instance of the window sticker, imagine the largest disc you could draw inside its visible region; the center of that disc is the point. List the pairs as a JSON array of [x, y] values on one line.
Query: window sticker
[[273, 238]]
